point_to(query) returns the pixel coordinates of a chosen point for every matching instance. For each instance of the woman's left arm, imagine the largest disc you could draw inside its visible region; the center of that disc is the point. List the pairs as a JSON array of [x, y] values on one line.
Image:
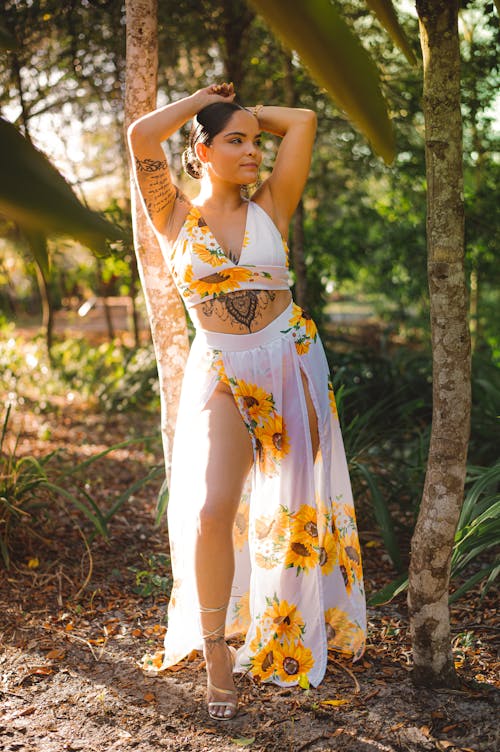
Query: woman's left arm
[[283, 189]]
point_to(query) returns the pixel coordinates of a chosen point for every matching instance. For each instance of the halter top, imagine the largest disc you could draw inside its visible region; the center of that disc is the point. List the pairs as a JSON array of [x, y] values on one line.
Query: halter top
[[202, 271]]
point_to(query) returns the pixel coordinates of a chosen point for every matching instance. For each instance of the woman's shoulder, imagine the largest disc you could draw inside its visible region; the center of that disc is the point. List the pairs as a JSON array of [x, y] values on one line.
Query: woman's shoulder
[[263, 200], [177, 217]]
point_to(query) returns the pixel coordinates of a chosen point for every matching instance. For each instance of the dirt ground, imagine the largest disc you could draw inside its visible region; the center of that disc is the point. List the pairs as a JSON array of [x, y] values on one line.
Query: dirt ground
[[76, 623]]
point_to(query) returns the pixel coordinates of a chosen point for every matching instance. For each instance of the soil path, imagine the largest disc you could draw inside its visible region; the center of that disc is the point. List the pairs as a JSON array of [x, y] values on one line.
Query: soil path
[[76, 623]]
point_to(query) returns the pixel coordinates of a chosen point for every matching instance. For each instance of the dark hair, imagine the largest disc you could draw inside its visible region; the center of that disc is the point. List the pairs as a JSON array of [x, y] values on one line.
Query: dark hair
[[206, 125]]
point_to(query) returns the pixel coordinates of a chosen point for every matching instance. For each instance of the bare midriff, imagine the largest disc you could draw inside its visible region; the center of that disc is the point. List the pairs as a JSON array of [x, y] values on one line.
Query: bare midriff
[[240, 312]]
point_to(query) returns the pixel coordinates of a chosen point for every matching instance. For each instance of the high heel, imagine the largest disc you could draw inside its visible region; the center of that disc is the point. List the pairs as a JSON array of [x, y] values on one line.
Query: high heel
[[214, 636]]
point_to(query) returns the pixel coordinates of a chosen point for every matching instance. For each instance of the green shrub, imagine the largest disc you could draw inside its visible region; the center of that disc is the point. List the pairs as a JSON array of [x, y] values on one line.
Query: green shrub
[[26, 483]]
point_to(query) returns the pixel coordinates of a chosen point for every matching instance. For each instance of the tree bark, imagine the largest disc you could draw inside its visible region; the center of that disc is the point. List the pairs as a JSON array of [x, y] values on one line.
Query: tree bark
[[298, 257], [433, 539], [297, 251], [165, 310]]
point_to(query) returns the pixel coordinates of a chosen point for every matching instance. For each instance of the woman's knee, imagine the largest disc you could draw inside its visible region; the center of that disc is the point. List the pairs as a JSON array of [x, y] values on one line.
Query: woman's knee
[[216, 516]]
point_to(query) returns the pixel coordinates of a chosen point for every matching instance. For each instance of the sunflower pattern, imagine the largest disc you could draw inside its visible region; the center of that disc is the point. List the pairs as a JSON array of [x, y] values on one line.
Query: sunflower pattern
[[331, 398], [277, 650], [298, 584], [216, 284], [240, 528], [302, 328], [202, 270], [343, 634], [264, 423], [240, 615]]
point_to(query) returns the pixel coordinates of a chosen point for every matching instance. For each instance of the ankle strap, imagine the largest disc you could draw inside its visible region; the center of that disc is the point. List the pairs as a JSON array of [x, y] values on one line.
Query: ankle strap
[[218, 631], [204, 610]]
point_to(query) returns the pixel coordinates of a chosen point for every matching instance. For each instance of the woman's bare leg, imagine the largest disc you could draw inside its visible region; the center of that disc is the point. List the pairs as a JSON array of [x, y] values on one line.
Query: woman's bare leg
[[224, 450]]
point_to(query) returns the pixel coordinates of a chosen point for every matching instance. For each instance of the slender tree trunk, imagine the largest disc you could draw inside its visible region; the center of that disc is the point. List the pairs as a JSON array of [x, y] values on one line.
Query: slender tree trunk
[[105, 304], [297, 244], [47, 309], [134, 283], [236, 19], [433, 538], [165, 310], [298, 257]]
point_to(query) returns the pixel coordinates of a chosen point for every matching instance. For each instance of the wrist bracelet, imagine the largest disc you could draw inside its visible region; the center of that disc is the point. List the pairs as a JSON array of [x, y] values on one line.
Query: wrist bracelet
[[256, 110]]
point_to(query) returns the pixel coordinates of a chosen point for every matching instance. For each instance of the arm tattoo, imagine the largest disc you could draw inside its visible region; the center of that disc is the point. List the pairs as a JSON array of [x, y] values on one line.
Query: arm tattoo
[[242, 308], [150, 165], [158, 191]]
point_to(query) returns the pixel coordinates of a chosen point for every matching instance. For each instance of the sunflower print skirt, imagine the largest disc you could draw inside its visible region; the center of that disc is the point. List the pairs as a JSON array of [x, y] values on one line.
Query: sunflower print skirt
[[298, 585]]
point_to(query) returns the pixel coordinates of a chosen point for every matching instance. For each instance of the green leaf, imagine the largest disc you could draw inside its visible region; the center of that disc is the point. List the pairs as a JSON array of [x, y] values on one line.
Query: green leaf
[[382, 514], [123, 498], [162, 502], [38, 246], [384, 10], [390, 591], [36, 196], [337, 60]]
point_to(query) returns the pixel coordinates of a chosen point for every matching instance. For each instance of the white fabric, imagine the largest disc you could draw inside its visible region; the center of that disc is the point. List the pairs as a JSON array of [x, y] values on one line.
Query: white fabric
[[298, 585]]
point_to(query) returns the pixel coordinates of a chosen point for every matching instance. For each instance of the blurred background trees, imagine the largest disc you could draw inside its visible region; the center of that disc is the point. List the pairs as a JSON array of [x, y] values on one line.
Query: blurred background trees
[[364, 223]]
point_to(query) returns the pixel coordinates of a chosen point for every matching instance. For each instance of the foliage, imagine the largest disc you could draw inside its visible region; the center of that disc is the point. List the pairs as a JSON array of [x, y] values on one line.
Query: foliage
[[38, 198], [114, 375], [29, 483], [476, 538], [150, 580], [385, 407]]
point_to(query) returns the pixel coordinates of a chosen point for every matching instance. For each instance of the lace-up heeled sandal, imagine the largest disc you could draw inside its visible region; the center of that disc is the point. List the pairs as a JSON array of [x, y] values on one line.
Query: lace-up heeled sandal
[[214, 636]]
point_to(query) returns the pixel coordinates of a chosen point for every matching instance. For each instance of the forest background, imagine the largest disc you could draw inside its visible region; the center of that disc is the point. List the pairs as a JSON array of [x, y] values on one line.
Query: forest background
[[358, 242]]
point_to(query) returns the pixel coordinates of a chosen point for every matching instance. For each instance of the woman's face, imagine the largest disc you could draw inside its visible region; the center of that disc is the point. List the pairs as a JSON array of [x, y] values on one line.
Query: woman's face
[[234, 154]]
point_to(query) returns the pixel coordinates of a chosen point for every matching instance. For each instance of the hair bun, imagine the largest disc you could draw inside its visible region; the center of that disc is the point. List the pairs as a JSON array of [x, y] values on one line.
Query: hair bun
[[192, 164]]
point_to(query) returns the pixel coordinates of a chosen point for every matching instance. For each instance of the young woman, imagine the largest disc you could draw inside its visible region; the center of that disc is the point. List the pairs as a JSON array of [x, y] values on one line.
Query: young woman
[[261, 522]]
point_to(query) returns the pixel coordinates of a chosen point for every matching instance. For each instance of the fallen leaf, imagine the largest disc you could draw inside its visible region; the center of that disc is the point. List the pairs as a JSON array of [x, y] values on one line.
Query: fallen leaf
[[396, 727], [42, 671], [243, 741], [56, 655], [33, 563], [334, 703], [151, 661], [304, 682], [149, 697]]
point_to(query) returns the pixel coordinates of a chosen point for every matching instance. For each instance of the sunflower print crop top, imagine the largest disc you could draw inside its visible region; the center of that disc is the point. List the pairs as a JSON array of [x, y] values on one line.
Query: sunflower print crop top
[[202, 271]]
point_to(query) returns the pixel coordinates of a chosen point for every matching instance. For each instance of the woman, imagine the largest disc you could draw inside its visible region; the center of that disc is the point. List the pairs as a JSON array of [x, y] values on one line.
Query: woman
[[261, 522]]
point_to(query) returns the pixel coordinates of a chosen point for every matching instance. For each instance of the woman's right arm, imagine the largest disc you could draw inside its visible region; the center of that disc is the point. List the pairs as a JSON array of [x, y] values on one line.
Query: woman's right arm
[[149, 164]]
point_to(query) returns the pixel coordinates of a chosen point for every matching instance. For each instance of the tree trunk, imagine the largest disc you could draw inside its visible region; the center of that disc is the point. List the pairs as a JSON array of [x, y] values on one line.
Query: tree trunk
[[297, 244], [134, 285], [47, 309], [102, 293], [165, 310], [298, 257], [433, 538]]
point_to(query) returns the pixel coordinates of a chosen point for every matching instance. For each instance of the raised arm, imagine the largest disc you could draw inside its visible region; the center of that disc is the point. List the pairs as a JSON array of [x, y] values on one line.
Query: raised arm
[[150, 166], [283, 189]]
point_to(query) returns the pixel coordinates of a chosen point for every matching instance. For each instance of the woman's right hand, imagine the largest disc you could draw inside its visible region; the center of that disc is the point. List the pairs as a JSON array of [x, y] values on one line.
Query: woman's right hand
[[215, 93]]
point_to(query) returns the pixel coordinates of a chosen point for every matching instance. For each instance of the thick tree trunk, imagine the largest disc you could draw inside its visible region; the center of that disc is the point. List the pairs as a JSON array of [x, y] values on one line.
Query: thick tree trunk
[[433, 538], [165, 310]]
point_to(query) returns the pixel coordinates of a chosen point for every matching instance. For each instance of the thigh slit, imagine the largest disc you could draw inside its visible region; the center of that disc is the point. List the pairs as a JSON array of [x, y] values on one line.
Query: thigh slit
[[312, 414]]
